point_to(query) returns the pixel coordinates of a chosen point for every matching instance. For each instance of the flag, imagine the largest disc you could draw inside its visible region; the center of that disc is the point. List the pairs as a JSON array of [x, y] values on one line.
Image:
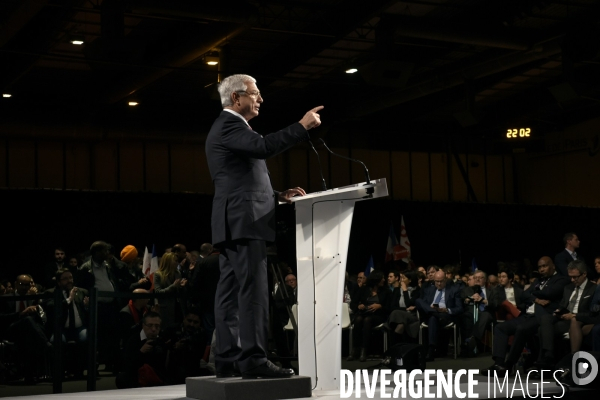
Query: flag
[[370, 267], [150, 265], [393, 247], [146, 265], [473, 265], [404, 252]]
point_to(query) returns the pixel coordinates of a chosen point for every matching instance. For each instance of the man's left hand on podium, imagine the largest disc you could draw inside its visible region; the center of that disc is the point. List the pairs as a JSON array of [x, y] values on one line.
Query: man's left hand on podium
[[286, 195]]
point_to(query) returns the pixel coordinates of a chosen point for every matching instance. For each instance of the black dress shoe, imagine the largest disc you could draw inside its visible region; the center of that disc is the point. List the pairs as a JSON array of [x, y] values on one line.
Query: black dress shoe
[[268, 370], [228, 371]]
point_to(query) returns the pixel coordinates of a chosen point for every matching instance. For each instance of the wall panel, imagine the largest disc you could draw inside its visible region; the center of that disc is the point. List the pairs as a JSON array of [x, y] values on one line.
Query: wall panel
[[21, 164], [104, 155], [401, 175], [185, 168], [439, 176], [50, 165], [78, 166], [420, 173], [157, 167], [3, 163], [131, 166], [459, 187]]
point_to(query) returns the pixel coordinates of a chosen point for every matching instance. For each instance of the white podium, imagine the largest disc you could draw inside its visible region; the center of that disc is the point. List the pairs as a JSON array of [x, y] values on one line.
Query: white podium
[[323, 222]]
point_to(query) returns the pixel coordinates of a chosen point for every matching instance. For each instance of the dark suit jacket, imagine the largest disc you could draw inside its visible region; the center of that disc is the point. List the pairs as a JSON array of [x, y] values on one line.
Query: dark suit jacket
[[562, 260], [363, 295], [49, 306], [585, 300], [410, 298], [244, 201], [498, 295], [553, 291], [469, 291], [452, 297]]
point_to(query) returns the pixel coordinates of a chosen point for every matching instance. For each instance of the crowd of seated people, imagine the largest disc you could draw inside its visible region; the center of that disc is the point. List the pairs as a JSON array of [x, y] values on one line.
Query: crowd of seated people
[[179, 330], [546, 313]]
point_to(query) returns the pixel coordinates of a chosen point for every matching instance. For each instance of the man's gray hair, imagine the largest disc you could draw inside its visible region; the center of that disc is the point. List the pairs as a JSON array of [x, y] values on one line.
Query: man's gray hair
[[481, 272], [232, 84], [579, 265]]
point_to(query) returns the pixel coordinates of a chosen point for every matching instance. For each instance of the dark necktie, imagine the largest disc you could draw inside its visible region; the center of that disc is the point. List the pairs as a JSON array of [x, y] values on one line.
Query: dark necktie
[[72, 315], [481, 305], [573, 300], [22, 306]]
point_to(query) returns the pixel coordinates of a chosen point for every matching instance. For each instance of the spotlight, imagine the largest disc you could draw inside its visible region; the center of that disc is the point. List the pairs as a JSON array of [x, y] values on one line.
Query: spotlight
[[7, 95], [133, 103], [351, 70]]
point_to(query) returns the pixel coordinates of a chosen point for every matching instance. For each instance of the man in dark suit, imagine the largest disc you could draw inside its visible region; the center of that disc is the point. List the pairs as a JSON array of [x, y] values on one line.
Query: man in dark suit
[[562, 259], [476, 299], [506, 300], [74, 307], [439, 306], [576, 300], [541, 298], [243, 221]]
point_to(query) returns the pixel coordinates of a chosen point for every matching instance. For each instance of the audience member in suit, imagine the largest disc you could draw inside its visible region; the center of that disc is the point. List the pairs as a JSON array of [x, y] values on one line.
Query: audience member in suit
[[243, 220], [506, 300], [541, 298], [187, 344], [130, 316], [439, 306], [371, 307], [583, 323], [564, 258], [431, 270], [26, 329], [576, 300], [403, 319], [144, 356], [361, 279], [51, 268], [476, 302], [74, 308]]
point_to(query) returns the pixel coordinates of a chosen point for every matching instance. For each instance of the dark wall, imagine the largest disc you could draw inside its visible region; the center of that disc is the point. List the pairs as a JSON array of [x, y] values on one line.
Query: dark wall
[[38, 220]]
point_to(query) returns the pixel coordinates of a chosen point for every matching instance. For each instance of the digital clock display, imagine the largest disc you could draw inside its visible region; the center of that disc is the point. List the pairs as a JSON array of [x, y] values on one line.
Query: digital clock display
[[518, 133]]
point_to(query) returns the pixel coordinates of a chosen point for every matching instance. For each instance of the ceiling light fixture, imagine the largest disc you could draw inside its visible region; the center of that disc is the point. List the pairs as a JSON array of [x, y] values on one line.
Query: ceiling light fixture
[[7, 95], [133, 103], [77, 39], [211, 58], [351, 70]]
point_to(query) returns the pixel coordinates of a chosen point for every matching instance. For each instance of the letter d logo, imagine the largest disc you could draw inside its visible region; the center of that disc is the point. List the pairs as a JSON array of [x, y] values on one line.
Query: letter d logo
[[591, 365]]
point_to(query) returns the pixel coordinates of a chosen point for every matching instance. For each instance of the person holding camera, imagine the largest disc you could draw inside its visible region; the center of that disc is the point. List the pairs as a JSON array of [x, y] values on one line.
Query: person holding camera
[[144, 356]]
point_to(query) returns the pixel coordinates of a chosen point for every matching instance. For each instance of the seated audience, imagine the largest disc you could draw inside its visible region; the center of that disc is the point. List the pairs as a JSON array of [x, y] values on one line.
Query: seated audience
[[439, 306], [542, 298], [371, 308], [477, 315], [506, 299], [144, 356], [403, 319], [583, 323], [187, 344], [74, 308], [51, 268], [575, 301], [130, 316]]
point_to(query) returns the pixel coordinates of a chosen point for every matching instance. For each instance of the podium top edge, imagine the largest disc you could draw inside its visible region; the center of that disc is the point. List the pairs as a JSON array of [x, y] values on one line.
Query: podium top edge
[[379, 186]]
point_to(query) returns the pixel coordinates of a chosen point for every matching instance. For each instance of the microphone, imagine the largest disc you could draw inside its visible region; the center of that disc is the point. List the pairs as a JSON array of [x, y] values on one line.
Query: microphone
[[351, 159], [320, 167]]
